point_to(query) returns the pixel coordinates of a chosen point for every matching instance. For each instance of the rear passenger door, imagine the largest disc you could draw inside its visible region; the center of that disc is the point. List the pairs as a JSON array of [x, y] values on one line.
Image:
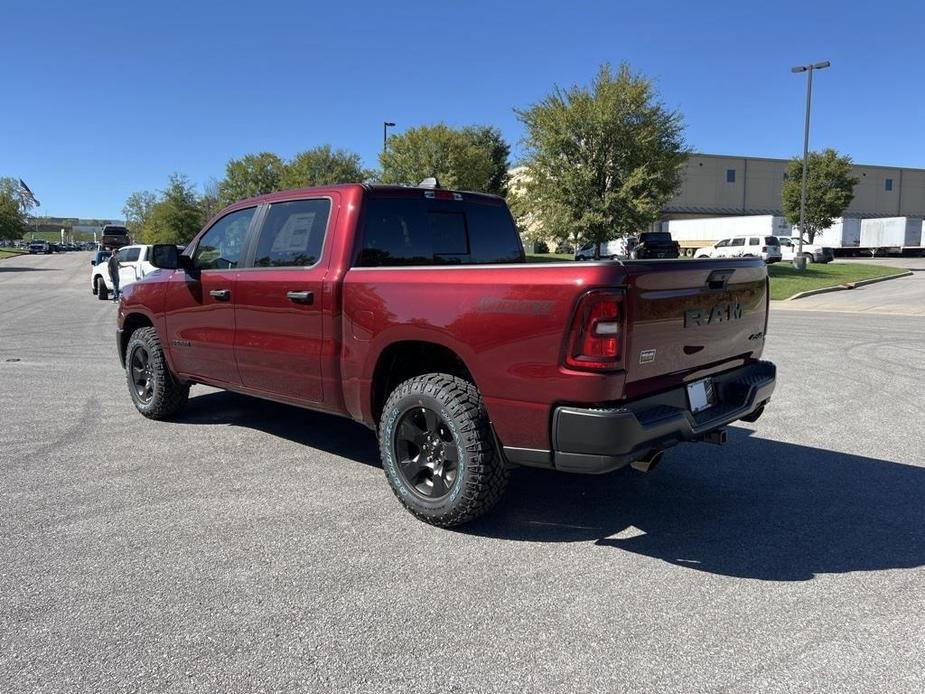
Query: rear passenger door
[[279, 338]]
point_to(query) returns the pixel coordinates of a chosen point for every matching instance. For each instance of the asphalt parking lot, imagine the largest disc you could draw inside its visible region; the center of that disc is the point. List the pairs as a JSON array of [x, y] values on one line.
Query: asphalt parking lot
[[257, 547]]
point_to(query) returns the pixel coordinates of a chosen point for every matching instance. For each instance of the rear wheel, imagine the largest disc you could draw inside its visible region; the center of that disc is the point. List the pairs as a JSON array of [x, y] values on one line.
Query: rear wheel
[[154, 390], [438, 451], [809, 258]]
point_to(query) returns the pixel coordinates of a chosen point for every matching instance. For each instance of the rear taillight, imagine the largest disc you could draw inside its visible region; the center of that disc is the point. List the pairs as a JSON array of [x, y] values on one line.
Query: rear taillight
[[596, 335]]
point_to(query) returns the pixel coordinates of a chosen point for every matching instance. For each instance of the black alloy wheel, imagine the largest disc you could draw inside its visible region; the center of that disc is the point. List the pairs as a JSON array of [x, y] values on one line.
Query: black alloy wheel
[[142, 374], [426, 453]]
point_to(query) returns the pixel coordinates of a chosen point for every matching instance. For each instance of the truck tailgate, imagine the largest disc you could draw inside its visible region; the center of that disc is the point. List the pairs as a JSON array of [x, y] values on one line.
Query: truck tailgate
[[688, 316]]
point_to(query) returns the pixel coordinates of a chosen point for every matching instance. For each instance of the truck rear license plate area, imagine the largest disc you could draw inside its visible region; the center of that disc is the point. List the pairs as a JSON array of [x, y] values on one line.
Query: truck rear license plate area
[[701, 395]]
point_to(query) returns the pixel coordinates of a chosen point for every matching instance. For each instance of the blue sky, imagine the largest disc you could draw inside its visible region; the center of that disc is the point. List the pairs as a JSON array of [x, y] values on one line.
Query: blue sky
[[101, 99]]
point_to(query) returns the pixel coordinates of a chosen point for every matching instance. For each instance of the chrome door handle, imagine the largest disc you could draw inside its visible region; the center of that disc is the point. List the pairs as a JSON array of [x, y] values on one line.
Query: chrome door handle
[[301, 297], [220, 294]]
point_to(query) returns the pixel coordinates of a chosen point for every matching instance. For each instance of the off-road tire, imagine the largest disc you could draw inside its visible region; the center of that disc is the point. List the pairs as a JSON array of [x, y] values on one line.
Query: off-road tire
[[102, 293], [168, 395], [481, 475]]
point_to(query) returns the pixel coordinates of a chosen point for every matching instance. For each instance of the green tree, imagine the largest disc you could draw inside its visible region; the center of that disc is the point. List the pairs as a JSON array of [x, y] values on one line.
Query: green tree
[[210, 202], [177, 216], [12, 218], [252, 174], [321, 166], [601, 161], [829, 190], [471, 158], [137, 210]]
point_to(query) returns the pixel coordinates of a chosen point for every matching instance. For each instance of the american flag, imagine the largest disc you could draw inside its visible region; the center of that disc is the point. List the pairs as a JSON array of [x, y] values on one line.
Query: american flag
[[28, 194]]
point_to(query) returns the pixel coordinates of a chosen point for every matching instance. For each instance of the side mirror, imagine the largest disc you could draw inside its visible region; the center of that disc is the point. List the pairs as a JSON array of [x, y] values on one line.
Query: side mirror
[[167, 257]]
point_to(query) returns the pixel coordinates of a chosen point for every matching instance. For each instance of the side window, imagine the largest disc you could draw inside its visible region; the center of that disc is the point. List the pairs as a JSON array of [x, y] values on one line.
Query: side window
[[221, 246], [738, 242], [293, 234], [754, 241], [129, 255], [395, 233]]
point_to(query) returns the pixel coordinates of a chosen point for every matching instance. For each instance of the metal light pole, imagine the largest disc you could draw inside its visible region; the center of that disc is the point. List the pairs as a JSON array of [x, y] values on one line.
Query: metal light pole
[[799, 262], [385, 134]]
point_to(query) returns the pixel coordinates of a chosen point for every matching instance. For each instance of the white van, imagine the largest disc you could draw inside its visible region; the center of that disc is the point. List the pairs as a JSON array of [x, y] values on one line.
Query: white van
[[765, 247]]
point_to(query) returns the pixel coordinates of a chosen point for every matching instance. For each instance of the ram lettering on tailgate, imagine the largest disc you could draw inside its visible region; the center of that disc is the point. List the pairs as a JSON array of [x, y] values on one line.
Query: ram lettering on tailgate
[[724, 311]]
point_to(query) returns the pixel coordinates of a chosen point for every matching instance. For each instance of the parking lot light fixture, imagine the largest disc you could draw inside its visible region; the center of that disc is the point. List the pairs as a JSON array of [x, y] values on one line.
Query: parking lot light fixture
[[799, 262], [385, 134]]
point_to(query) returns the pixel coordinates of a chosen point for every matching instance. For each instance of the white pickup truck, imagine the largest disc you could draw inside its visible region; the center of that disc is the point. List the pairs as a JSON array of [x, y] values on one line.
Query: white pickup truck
[[133, 265], [814, 253]]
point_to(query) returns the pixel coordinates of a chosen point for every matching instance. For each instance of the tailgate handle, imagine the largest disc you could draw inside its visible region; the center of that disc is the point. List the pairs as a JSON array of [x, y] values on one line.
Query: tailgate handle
[[718, 279]]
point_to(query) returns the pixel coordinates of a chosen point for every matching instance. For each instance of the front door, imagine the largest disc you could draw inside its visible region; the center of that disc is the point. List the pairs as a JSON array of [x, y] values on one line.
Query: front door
[[200, 303], [128, 259], [279, 302]]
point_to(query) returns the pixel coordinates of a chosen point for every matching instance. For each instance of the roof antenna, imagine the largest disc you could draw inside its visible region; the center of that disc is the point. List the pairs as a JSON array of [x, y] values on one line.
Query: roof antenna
[[430, 182]]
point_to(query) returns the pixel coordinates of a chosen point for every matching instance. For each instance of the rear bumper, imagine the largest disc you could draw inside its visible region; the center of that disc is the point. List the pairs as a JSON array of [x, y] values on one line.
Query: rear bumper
[[594, 441]]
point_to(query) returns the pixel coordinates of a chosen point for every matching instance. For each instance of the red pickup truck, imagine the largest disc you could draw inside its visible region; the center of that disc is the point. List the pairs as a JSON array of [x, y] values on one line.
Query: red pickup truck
[[413, 311]]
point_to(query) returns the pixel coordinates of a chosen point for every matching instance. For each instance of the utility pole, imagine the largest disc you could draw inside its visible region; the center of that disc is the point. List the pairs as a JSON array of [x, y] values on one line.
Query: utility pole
[[799, 262]]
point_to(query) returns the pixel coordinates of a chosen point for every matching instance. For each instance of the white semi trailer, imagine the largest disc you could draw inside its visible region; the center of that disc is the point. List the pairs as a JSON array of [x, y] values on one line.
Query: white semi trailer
[[844, 236], [892, 236]]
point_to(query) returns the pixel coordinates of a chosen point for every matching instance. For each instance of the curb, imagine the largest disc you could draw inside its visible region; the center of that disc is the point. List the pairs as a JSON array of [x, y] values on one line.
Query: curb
[[847, 285]]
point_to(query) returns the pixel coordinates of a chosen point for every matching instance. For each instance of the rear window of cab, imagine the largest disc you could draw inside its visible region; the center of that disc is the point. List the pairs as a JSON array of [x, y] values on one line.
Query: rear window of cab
[[408, 231]]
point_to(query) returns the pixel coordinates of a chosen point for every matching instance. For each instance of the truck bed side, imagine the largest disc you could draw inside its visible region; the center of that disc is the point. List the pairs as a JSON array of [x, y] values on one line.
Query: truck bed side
[[509, 323]]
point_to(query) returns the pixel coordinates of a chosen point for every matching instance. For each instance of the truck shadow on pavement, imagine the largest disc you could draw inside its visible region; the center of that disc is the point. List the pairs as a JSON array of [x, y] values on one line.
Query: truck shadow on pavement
[[755, 508], [326, 432], [19, 268]]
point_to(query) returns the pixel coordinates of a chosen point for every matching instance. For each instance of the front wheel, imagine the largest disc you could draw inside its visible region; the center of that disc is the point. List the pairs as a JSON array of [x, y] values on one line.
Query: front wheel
[[102, 293], [154, 390], [438, 451]]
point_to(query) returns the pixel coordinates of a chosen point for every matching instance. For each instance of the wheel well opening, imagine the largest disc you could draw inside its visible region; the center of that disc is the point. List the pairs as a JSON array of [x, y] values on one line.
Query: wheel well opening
[[405, 360], [133, 322]]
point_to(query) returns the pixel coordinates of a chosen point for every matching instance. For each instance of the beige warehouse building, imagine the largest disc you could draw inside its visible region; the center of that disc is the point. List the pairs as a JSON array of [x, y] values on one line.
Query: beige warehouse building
[[716, 185]]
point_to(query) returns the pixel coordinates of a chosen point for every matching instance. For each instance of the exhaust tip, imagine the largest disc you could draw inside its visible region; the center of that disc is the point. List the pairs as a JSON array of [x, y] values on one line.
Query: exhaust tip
[[647, 464]]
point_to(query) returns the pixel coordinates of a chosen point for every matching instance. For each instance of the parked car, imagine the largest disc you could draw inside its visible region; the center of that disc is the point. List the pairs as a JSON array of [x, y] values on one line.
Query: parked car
[[618, 248], [813, 253], [765, 247], [39, 247], [413, 311], [134, 264], [656, 244]]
